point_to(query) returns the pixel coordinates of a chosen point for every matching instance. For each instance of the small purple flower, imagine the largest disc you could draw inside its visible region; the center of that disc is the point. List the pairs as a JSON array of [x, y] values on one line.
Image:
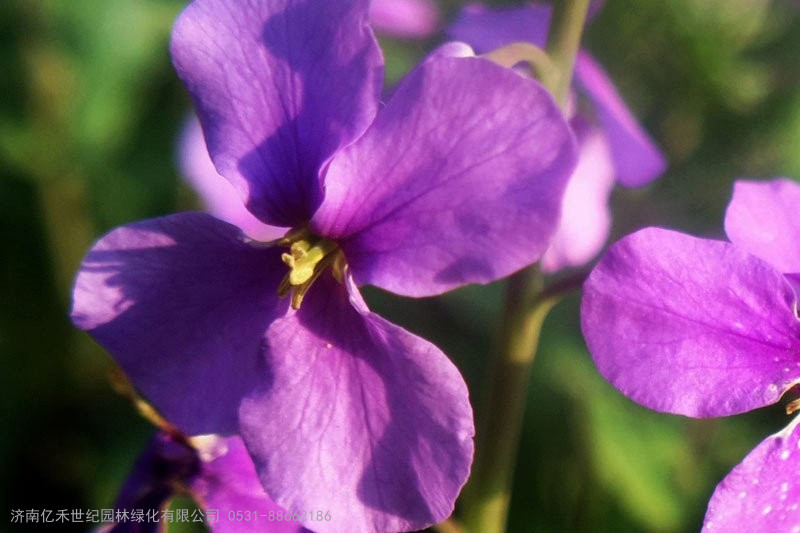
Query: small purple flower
[[216, 472], [708, 328], [339, 408], [613, 145]]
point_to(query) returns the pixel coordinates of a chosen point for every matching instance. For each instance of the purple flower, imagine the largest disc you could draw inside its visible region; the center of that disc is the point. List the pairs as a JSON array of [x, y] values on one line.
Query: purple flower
[[413, 19], [339, 408], [613, 145], [708, 328], [216, 472]]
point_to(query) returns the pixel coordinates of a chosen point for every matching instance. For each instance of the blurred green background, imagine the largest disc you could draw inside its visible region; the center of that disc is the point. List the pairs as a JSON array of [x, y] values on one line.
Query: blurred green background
[[89, 115]]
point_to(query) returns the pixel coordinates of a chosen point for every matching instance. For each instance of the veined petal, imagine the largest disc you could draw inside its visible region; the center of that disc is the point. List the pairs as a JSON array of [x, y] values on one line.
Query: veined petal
[[691, 326], [217, 193], [486, 29], [762, 493], [585, 215], [279, 87], [459, 180], [227, 481], [637, 160], [763, 219], [404, 18], [182, 303], [363, 419]]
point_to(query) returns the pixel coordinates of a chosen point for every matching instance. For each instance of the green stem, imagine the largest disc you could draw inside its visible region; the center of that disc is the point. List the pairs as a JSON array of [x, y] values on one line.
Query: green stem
[[488, 493], [511, 54], [563, 41]]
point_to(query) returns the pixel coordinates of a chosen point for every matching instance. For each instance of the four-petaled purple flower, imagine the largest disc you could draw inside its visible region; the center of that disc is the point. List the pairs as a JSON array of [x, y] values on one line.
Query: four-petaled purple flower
[[457, 179], [612, 144], [708, 328]]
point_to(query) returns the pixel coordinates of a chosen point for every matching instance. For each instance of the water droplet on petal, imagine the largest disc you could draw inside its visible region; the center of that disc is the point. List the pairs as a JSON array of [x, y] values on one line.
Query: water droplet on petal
[[767, 510]]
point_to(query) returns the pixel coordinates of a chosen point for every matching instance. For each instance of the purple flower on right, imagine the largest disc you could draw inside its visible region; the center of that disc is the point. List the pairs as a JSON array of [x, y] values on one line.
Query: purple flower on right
[[613, 146], [708, 328]]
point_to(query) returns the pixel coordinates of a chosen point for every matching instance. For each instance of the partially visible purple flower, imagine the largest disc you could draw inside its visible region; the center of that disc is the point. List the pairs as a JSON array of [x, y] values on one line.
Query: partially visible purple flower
[[620, 149], [338, 407], [585, 217], [708, 328], [413, 19], [216, 472]]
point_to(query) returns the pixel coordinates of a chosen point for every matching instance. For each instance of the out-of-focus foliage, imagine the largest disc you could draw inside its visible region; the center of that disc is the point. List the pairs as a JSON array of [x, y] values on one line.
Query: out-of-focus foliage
[[89, 114]]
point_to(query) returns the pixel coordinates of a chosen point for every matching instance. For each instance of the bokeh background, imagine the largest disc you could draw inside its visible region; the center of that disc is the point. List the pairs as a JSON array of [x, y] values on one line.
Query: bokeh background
[[90, 111]]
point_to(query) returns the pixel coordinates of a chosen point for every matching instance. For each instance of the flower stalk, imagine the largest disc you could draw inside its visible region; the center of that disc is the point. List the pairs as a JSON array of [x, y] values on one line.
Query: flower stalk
[[487, 496]]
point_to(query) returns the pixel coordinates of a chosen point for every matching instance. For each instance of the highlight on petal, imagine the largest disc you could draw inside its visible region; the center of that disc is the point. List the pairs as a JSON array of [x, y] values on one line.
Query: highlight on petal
[[217, 193], [762, 493], [279, 87], [414, 19], [227, 481], [363, 419], [762, 218], [637, 160], [182, 303], [450, 186], [585, 215], [691, 326]]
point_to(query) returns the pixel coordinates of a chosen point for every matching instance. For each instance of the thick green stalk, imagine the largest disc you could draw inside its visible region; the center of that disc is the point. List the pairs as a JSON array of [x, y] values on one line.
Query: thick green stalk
[[563, 41], [488, 493]]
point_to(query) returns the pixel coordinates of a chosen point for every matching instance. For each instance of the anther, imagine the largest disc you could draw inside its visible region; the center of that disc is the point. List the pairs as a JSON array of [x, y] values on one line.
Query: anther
[[307, 258]]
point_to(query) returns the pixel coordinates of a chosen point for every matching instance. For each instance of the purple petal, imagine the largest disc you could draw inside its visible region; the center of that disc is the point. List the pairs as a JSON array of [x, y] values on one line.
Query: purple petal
[[762, 494], [414, 19], [459, 180], [363, 419], [763, 219], [228, 482], [486, 29], [279, 87], [691, 326], [182, 303], [585, 215], [217, 193], [637, 160]]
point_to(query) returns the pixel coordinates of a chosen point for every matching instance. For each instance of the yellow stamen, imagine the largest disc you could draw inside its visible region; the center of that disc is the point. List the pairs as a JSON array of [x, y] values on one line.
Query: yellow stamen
[[307, 258]]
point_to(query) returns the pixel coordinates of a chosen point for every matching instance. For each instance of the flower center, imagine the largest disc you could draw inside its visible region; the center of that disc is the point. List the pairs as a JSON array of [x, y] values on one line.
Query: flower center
[[309, 256]]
